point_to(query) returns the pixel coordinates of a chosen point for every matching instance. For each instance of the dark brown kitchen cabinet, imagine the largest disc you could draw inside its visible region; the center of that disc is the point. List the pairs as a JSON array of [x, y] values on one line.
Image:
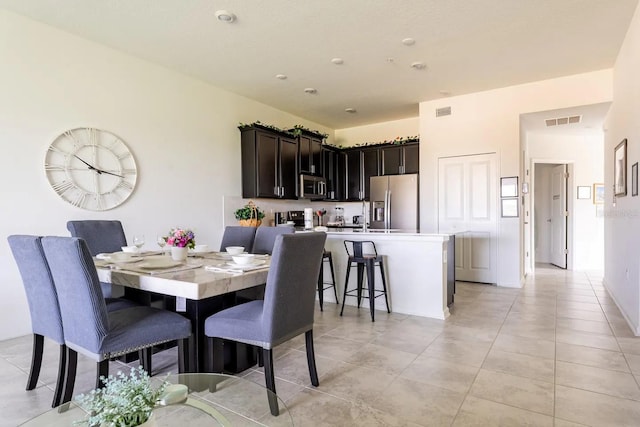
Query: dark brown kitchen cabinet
[[361, 164], [400, 159], [269, 163], [333, 162], [310, 146]]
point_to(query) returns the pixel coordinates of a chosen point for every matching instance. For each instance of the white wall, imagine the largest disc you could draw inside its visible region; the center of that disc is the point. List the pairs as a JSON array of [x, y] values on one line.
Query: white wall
[[622, 227], [378, 132], [182, 132], [489, 122]]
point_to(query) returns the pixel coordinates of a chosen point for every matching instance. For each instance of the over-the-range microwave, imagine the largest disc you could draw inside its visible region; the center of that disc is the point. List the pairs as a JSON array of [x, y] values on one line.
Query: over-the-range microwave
[[312, 187]]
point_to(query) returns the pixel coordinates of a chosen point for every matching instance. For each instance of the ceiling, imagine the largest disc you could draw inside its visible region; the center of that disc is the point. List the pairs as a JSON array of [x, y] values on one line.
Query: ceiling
[[467, 46]]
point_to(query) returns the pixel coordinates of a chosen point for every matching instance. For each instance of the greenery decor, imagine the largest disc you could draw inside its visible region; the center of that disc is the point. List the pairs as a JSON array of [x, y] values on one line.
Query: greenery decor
[[181, 238], [259, 124], [298, 129], [398, 140], [124, 401], [249, 215]]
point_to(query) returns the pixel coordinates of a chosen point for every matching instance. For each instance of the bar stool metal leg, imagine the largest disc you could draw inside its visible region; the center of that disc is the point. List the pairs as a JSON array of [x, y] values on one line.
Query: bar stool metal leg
[[333, 278], [371, 282], [384, 285], [346, 283]]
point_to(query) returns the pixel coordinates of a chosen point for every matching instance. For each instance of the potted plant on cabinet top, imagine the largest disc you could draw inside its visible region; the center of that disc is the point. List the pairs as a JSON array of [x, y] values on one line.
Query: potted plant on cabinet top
[[124, 401], [249, 215]]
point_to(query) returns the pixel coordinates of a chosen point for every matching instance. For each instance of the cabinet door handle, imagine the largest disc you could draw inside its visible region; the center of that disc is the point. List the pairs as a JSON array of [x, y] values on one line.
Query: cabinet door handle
[[313, 168], [276, 191]]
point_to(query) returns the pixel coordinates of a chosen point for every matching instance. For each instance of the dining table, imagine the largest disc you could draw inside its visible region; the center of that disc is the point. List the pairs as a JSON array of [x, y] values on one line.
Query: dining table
[[203, 284]]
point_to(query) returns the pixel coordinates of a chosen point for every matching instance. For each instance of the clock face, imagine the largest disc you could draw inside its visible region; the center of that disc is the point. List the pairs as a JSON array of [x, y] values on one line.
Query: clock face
[[91, 168]]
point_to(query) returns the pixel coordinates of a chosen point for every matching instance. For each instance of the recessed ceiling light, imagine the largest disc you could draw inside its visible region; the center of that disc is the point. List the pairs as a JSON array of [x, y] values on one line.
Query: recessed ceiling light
[[350, 110], [310, 90], [408, 41], [418, 65], [337, 61], [445, 92], [224, 16], [281, 76]]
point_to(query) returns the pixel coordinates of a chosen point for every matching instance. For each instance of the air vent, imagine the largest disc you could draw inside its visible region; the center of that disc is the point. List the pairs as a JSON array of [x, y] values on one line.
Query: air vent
[[444, 111], [563, 121]]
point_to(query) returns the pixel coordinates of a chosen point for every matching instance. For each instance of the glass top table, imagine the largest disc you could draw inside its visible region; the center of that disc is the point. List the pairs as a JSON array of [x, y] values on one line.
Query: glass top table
[[209, 400]]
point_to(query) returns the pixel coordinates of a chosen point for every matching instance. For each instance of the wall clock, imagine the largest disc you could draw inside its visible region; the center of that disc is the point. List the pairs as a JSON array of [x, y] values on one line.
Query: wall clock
[[91, 168]]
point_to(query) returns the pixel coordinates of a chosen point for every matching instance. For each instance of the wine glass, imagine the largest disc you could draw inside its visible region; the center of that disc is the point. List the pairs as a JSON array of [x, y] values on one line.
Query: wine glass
[[138, 241], [162, 241]]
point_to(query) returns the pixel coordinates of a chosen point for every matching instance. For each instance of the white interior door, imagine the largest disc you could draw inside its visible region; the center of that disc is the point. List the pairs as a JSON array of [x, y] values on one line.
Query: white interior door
[[559, 216], [467, 208]]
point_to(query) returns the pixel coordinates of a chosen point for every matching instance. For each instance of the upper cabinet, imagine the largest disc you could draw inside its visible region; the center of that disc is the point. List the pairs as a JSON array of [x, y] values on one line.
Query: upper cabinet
[[400, 159], [269, 163], [361, 164], [273, 160], [333, 164], [310, 147]]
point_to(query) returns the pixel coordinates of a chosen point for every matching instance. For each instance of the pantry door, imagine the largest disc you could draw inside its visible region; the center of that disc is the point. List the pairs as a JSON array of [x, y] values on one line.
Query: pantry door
[[467, 202]]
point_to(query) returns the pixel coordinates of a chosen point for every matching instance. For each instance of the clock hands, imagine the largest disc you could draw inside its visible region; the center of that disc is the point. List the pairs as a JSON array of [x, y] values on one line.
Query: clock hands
[[98, 171]]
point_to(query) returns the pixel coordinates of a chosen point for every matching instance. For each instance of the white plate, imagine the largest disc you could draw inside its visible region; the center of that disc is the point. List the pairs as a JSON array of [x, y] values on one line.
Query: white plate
[[159, 263], [253, 263], [119, 257], [193, 252]]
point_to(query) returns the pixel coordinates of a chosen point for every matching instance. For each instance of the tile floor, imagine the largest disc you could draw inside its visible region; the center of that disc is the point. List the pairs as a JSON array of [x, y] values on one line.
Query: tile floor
[[556, 352]]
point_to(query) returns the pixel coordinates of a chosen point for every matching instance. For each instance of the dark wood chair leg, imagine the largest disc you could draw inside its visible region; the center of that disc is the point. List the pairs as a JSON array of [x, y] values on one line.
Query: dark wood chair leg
[[311, 358], [69, 375], [36, 361], [270, 382], [184, 350], [145, 359], [216, 346], [260, 358], [57, 394], [102, 371]]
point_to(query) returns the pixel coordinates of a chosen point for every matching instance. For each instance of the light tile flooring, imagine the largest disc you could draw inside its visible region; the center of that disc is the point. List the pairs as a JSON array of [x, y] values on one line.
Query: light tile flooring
[[556, 352]]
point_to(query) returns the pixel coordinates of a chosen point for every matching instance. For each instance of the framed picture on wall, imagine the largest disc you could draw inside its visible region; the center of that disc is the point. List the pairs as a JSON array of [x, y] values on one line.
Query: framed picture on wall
[[509, 186], [509, 207], [584, 192], [598, 194], [634, 179], [620, 169]]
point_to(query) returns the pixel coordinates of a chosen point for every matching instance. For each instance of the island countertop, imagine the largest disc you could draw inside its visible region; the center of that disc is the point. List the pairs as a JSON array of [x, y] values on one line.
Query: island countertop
[[415, 266]]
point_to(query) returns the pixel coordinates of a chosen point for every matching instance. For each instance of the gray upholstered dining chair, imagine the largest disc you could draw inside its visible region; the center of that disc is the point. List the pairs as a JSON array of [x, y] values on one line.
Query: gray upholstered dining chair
[[102, 236], [236, 235], [286, 311], [42, 298], [43, 306], [93, 331], [266, 238]]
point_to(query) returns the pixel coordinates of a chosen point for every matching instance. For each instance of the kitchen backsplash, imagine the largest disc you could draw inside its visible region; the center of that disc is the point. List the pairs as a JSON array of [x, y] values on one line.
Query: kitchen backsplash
[[270, 206]]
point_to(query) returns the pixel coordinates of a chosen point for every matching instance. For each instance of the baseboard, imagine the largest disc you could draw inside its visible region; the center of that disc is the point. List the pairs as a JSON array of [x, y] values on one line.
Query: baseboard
[[634, 328]]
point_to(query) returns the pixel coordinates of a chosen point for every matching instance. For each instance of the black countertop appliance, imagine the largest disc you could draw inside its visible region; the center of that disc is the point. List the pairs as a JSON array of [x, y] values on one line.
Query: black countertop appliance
[[297, 217]]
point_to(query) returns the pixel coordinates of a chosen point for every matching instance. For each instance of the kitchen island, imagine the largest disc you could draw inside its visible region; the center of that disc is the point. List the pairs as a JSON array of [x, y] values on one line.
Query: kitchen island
[[415, 265]]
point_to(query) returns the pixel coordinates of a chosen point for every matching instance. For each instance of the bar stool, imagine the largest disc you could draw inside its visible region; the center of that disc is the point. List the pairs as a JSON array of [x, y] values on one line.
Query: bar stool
[[326, 256], [366, 258]]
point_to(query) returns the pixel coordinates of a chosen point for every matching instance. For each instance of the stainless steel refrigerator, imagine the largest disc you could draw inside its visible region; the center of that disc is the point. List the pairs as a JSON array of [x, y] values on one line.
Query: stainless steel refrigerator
[[394, 202]]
